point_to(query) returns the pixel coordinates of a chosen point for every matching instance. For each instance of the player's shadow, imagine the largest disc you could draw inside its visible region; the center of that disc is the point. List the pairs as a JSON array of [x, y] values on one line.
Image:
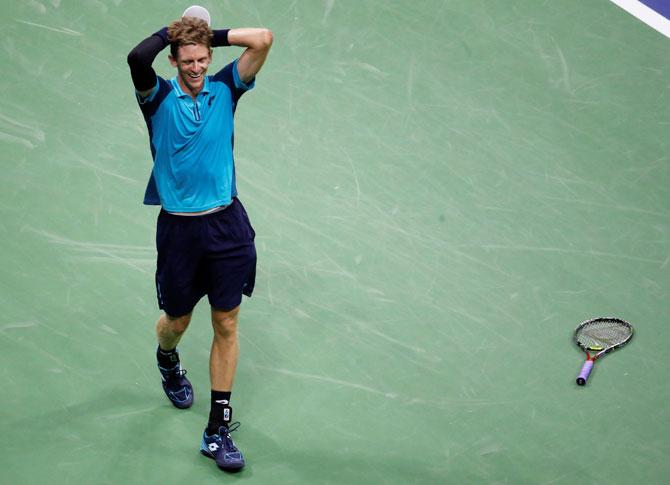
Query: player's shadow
[[119, 417], [331, 465], [140, 423]]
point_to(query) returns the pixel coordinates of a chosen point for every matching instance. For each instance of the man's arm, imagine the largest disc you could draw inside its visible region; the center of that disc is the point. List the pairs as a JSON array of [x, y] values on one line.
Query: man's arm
[[141, 58], [257, 43]]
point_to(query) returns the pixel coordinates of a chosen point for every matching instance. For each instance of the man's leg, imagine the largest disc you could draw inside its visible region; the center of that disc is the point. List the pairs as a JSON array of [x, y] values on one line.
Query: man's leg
[[177, 387], [216, 442], [225, 349], [169, 330]]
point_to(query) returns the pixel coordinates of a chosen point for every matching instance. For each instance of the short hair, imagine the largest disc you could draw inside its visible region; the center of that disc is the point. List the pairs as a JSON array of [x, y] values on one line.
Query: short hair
[[189, 31]]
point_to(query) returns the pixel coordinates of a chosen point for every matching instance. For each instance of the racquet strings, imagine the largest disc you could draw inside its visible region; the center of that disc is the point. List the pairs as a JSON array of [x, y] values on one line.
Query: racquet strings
[[603, 334]]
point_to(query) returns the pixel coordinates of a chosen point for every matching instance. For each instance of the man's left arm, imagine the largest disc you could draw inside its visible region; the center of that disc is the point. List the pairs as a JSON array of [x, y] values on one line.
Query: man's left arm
[[257, 42]]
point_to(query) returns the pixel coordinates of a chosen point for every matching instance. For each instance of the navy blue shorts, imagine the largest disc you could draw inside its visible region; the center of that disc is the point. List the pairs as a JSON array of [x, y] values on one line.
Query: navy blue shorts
[[211, 255]]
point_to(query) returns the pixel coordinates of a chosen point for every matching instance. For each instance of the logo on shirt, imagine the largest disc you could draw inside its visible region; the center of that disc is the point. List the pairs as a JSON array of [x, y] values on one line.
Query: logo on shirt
[[211, 99]]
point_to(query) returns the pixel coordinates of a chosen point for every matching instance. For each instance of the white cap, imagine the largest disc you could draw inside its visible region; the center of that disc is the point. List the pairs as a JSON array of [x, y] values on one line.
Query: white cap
[[198, 12]]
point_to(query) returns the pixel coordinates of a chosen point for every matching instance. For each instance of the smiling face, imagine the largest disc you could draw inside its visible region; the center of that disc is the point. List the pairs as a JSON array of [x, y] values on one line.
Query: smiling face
[[192, 61]]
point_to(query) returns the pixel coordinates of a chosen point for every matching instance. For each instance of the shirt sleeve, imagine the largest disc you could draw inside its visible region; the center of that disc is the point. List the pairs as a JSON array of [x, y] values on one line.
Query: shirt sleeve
[[149, 104], [230, 76]]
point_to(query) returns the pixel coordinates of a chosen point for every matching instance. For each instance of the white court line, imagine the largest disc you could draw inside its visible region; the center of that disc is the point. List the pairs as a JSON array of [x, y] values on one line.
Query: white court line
[[646, 14], [62, 30]]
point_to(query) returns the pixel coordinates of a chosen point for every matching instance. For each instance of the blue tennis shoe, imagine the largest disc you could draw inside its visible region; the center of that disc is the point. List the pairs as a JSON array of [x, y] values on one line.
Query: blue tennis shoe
[[177, 387], [222, 449]]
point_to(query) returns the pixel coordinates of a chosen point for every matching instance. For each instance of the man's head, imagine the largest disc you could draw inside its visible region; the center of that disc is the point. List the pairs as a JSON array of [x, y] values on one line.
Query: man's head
[[190, 51]]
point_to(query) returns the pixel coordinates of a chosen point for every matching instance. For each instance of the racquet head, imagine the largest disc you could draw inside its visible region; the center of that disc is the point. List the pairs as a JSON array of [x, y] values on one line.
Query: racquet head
[[603, 334]]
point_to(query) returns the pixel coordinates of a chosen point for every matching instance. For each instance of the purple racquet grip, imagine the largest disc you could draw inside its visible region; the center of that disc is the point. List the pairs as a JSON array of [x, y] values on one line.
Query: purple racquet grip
[[584, 374]]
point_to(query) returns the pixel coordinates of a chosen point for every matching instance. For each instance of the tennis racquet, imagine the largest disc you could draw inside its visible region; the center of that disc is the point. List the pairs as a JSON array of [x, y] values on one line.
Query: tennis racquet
[[601, 335]]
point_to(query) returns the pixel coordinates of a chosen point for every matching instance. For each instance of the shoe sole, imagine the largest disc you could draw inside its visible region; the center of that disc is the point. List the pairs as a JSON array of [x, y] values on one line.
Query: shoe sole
[[227, 469], [179, 404]]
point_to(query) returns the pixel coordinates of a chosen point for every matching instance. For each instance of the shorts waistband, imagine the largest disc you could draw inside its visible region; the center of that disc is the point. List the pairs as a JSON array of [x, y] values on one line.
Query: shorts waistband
[[207, 212]]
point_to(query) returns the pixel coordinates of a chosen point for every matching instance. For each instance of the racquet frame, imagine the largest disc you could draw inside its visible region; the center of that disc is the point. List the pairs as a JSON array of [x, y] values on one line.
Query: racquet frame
[[590, 359]]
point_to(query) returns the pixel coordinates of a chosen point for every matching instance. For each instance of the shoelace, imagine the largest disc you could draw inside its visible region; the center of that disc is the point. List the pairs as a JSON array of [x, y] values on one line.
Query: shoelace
[[226, 440], [178, 374]]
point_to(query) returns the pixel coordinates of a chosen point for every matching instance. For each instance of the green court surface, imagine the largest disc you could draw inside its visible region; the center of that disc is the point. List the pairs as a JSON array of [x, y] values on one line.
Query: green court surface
[[441, 190]]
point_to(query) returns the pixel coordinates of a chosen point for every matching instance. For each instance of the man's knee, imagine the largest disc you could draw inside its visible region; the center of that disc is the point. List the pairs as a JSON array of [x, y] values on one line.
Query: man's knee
[[225, 322], [178, 325]]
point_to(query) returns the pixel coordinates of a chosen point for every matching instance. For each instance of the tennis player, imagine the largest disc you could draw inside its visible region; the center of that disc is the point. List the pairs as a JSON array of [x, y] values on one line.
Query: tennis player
[[204, 239]]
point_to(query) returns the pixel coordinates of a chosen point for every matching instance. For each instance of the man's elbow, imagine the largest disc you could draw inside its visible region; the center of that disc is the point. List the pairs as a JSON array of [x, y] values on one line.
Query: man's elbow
[[136, 60], [266, 38], [133, 58]]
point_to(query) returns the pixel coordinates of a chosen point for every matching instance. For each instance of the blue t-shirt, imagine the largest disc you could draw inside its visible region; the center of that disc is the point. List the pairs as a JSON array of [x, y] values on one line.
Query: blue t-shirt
[[192, 142]]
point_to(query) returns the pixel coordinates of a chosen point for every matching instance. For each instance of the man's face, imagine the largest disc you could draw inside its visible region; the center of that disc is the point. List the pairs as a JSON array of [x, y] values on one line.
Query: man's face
[[192, 62]]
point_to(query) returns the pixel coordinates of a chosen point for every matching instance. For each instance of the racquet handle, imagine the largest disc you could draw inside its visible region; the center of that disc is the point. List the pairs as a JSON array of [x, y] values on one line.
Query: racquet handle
[[584, 374]]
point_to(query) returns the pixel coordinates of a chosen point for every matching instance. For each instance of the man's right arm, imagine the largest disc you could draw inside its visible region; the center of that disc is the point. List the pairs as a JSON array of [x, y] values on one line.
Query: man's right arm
[[141, 58]]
